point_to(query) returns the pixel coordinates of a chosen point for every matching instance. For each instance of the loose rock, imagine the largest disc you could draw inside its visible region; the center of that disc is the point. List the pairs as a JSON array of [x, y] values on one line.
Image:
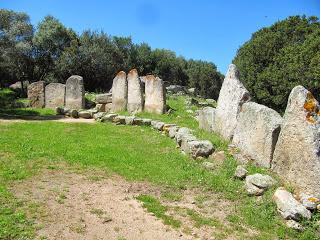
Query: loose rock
[[240, 172], [289, 207]]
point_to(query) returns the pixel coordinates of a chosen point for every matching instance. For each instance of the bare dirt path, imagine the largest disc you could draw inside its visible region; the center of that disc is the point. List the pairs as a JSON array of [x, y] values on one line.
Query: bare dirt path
[[67, 205]]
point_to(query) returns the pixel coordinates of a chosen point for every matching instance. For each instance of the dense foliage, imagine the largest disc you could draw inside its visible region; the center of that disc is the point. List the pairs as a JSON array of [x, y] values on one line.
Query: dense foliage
[[51, 52], [280, 57]]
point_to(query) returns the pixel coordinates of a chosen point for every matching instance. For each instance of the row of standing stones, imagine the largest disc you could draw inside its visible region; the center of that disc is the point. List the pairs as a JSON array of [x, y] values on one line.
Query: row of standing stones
[[70, 95], [289, 145]]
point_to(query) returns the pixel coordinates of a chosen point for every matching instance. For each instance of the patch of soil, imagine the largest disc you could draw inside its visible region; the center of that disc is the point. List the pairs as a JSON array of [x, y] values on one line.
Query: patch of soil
[[71, 206], [68, 204]]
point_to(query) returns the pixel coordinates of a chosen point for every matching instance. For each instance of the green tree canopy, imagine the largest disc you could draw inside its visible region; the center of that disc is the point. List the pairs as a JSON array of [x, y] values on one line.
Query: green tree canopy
[[280, 57]]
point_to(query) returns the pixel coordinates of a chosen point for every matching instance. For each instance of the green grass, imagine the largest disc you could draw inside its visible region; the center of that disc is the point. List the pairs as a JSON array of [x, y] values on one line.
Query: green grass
[[200, 220], [136, 153], [23, 112], [153, 205]]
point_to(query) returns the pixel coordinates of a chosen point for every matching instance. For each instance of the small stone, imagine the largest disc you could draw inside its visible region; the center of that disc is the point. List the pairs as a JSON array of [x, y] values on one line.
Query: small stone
[[74, 113], [289, 207], [119, 120], [309, 202], [240, 172], [146, 121], [98, 115], [172, 131], [253, 190], [294, 225], [208, 165], [129, 120], [59, 111], [138, 121], [109, 117], [219, 156], [180, 133], [85, 114], [260, 180]]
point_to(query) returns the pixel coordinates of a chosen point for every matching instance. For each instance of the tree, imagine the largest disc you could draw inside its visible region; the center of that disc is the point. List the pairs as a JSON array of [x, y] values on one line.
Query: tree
[[280, 57], [50, 40], [16, 49]]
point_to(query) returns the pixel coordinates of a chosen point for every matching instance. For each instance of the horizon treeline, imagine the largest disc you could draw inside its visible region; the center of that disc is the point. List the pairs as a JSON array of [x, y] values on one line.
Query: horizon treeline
[[51, 52]]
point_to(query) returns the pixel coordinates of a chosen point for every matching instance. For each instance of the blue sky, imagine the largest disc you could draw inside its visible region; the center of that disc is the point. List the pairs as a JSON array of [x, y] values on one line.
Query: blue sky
[[199, 29]]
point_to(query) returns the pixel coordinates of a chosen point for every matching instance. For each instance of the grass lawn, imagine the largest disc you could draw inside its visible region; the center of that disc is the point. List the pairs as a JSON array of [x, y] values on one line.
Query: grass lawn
[[136, 153]]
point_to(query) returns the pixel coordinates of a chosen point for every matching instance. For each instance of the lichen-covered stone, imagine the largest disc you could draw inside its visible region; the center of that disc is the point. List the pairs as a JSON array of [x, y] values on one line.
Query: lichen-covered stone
[[206, 119], [297, 153], [108, 117], [36, 94], [75, 92], [129, 120], [172, 131], [155, 95], [231, 97], [289, 207], [257, 132], [257, 183], [55, 95], [119, 120], [180, 133], [135, 97], [119, 92]]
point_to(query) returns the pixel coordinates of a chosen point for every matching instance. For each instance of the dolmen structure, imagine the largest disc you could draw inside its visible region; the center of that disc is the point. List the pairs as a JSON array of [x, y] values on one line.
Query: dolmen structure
[[288, 145], [56, 95]]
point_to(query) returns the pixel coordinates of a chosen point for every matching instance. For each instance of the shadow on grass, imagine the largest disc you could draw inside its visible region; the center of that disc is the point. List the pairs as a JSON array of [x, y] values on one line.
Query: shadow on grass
[[28, 114]]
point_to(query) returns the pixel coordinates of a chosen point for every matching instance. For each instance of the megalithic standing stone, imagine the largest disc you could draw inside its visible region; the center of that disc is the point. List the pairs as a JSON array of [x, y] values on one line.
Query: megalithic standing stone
[[75, 92], [36, 94], [120, 92], [231, 97], [297, 155], [55, 95], [135, 97], [155, 95]]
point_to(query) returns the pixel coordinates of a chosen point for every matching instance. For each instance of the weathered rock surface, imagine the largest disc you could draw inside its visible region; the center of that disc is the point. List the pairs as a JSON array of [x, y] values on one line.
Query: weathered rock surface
[[289, 207], [257, 183], [135, 97], [309, 201], [196, 148], [155, 95], [104, 98], [257, 132], [75, 92], [297, 154], [172, 131], [85, 114], [74, 113], [119, 120], [180, 133], [231, 97], [36, 94], [99, 115], [129, 120], [294, 225], [55, 95], [208, 165], [101, 107], [240, 172], [206, 119], [120, 92], [146, 121], [109, 117]]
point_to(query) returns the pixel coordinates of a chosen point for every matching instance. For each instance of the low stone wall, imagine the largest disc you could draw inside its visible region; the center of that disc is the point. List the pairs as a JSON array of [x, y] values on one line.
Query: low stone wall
[[290, 146]]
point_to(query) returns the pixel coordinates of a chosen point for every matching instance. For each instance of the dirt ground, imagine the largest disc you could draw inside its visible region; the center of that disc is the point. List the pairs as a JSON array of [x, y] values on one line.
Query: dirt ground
[[68, 204]]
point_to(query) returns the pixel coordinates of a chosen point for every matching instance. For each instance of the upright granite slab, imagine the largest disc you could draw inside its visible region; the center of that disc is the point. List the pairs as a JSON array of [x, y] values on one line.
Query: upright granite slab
[[36, 94], [155, 95], [120, 92], [257, 132], [297, 154], [75, 92], [135, 97], [55, 95], [231, 97], [206, 119]]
